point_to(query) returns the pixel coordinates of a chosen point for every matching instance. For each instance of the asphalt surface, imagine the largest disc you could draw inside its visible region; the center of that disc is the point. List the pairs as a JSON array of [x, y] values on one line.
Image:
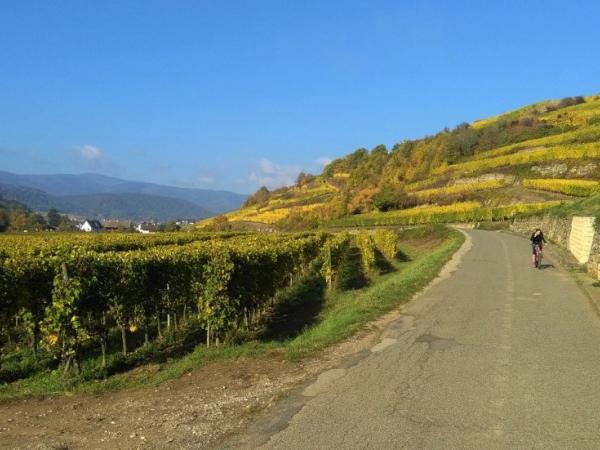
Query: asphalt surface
[[498, 355]]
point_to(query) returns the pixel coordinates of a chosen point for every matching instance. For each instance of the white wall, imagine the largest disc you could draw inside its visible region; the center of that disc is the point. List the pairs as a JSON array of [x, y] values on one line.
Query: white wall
[[581, 238]]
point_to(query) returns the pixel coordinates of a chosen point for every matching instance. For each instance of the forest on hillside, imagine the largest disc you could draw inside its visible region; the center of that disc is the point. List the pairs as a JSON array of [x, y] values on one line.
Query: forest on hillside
[[15, 216]]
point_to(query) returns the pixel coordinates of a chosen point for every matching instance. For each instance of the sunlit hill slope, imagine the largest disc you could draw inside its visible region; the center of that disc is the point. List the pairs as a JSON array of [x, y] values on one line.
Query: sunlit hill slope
[[528, 160]]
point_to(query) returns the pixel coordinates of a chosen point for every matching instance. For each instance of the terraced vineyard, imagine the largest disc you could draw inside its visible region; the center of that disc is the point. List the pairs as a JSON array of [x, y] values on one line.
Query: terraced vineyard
[[537, 155], [459, 188], [578, 188], [281, 205], [458, 212]]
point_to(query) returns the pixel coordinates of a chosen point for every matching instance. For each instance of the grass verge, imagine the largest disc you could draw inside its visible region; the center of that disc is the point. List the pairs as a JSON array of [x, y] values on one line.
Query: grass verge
[[425, 250], [347, 312]]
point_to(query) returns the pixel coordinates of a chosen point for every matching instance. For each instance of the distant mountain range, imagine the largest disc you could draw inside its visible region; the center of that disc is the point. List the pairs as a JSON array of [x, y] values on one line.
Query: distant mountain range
[[98, 196]]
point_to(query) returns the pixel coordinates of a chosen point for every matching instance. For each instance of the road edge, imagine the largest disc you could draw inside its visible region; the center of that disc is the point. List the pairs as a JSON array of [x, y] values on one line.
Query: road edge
[[565, 261], [342, 355]]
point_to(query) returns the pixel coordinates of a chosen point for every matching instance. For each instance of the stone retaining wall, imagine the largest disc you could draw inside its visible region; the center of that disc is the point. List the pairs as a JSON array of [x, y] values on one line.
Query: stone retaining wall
[[576, 234], [555, 228], [593, 264]]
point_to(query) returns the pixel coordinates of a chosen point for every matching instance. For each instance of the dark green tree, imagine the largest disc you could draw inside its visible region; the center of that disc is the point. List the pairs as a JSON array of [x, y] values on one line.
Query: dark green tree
[[260, 196], [170, 226], [53, 217], [388, 198], [66, 224], [36, 222], [4, 220], [461, 142]]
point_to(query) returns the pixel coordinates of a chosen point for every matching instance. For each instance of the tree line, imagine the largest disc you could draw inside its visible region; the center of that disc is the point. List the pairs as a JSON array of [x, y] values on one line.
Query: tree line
[[16, 217]]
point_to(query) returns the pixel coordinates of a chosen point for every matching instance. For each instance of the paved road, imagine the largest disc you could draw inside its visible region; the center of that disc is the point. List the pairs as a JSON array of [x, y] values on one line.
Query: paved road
[[497, 356]]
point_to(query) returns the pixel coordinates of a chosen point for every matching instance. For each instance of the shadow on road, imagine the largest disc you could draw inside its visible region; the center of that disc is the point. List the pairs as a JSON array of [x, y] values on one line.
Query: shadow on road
[[546, 266]]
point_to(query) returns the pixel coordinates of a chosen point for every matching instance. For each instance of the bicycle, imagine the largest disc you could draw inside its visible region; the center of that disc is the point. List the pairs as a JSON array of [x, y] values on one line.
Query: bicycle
[[537, 251]]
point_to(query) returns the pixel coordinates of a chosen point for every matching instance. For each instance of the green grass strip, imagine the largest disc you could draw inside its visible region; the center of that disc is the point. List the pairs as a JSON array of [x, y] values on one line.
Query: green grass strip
[[348, 312]]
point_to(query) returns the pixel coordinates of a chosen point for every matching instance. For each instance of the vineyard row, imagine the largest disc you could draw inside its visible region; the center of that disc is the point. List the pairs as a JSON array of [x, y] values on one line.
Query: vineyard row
[[58, 304], [457, 212]]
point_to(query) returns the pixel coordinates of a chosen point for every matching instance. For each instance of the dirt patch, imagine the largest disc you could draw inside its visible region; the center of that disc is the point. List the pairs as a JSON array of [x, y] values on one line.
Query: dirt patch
[[486, 177], [190, 412], [519, 194], [426, 244]]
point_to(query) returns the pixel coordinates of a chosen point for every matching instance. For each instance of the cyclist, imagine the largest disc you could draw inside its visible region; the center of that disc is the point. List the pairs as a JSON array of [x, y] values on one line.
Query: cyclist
[[537, 240]]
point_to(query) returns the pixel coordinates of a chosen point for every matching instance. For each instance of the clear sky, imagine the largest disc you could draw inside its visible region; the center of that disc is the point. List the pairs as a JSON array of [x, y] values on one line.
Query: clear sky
[[235, 94]]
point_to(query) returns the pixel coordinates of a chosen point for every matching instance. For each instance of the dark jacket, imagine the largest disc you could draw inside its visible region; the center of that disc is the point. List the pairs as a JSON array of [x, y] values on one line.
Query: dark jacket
[[537, 240]]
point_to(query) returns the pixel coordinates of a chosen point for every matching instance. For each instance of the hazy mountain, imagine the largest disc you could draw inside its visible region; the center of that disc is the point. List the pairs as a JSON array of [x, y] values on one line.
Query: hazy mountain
[[90, 183], [11, 204], [130, 206], [125, 205], [35, 199]]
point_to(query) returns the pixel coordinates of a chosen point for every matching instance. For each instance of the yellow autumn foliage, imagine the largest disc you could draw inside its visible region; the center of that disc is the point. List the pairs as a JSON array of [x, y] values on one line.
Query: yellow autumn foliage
[[558, 153], [270, 216], [52, 339], [457, 212], [590, 134], [578, 188]]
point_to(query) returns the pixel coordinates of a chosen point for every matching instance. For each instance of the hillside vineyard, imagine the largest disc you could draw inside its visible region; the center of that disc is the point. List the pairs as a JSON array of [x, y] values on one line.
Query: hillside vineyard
[[525, 161]]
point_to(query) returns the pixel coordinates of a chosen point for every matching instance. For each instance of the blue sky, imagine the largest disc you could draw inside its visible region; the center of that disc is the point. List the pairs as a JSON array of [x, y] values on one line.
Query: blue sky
[[235, 94]]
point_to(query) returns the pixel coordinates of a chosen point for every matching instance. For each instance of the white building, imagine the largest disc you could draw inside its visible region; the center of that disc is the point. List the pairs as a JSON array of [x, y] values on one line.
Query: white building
[[90, 225], [145, 228]]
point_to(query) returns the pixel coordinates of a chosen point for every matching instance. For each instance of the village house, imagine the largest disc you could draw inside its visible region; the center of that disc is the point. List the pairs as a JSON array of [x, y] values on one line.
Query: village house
[[146, 228], [90, 225], [116, 225]]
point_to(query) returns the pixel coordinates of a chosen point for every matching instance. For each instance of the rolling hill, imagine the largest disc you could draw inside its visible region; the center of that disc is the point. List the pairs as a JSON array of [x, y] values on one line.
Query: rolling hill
[[528, 160], [121, 206], [100, 196], [11, 204]]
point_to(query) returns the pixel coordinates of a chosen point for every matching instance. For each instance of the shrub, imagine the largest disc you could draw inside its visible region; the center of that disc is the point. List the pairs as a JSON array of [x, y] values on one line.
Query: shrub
[[259, 197], [220, 223], [570, 101], [389, 198], [362, 201]]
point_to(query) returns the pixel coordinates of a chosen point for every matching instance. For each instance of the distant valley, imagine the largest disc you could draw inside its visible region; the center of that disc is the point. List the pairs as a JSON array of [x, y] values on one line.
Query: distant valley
[[99, 196]]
